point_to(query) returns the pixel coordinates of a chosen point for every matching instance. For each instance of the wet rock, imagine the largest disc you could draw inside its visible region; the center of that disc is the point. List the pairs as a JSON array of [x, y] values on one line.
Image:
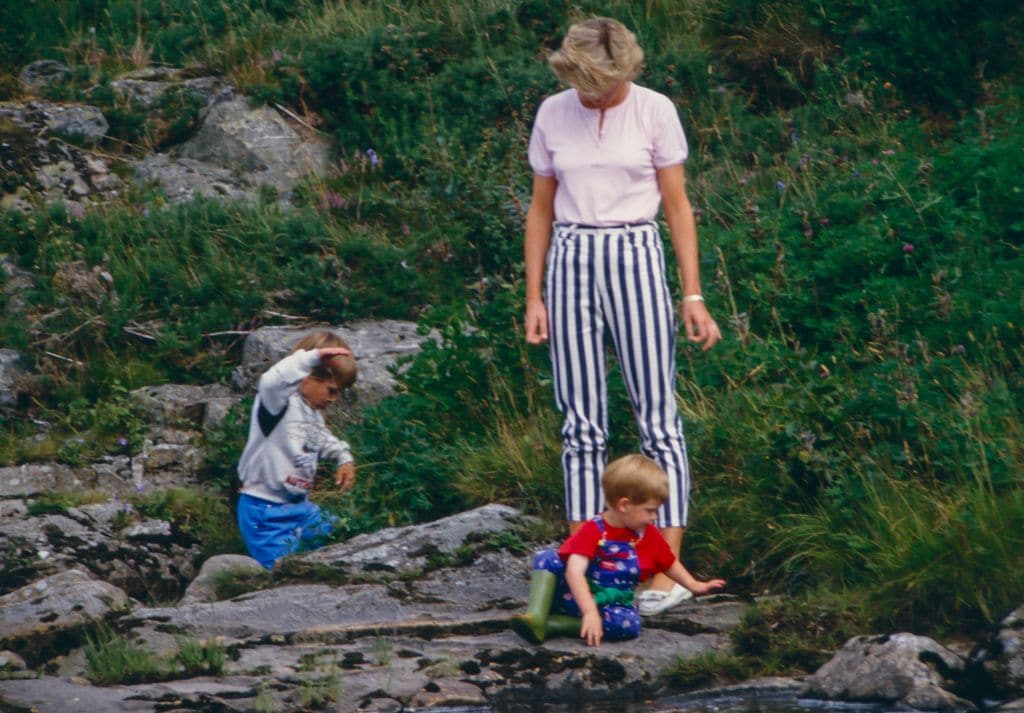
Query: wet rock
[[912, 671], [43, 72], [42, 614]]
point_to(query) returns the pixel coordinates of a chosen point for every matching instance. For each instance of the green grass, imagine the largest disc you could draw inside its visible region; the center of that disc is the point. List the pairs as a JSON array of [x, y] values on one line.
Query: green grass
[[115, 659]]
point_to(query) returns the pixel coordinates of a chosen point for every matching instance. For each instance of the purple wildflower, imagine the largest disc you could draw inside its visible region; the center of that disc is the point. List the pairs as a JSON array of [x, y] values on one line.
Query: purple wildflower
[[780, 185], [720, 89], [374, 158], [805, 161], [908, 248], [888, 152], [276, 56], [960, 349], [823, 221]]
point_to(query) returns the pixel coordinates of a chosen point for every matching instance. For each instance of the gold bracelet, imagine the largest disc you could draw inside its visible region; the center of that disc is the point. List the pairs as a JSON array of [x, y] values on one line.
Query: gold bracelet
[[693, 298]]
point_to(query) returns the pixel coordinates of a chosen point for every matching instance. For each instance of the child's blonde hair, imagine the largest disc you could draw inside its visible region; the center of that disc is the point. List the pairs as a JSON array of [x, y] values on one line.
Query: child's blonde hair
[[341, 368], [636, 477]]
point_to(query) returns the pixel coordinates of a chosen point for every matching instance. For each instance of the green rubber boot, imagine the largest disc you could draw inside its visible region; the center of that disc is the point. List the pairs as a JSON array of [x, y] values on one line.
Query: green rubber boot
[[533, 625], [563, 625]]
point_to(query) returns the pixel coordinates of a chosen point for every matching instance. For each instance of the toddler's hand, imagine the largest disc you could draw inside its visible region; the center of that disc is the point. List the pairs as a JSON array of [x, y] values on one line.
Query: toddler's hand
[[328, 353], [708, 586], [591, 629], [345, 475]]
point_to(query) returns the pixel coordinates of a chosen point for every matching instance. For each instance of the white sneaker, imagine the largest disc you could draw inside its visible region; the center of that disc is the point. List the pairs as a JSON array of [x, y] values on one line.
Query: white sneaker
[[654, 601]]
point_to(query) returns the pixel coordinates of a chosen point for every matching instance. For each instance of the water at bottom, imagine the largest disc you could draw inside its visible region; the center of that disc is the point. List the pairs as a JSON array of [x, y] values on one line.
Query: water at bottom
[[690, 703]]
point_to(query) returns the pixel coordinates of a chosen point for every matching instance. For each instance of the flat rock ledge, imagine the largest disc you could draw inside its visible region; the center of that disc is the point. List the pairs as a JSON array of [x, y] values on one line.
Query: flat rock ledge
[[411, 636]]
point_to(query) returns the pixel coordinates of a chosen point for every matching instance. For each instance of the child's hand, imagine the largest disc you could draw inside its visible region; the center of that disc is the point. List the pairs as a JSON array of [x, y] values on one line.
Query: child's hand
[[345, 476], [328, 353], [708, 586], [591, 629]]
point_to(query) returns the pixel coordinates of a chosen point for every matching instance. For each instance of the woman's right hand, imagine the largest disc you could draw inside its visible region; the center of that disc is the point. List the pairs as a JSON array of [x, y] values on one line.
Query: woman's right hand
[[536, 322]]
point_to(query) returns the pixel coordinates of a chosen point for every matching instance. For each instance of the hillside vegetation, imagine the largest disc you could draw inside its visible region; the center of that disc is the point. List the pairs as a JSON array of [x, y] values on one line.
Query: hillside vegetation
[[857, 171]]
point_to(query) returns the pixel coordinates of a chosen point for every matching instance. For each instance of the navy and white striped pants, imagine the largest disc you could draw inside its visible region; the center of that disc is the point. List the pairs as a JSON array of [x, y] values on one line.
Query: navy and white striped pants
[[610, 282]]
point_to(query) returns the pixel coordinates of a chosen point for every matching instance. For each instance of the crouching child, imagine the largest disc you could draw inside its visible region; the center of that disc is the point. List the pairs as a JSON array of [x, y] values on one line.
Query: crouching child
[[586, 587], [287, 437]]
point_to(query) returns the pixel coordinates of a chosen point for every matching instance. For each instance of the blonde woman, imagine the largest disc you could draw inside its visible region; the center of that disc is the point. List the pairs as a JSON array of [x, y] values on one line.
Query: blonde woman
[[605, 154]]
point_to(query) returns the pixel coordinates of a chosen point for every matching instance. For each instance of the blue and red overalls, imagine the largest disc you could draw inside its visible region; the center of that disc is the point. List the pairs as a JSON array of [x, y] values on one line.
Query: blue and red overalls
[[613, 574]]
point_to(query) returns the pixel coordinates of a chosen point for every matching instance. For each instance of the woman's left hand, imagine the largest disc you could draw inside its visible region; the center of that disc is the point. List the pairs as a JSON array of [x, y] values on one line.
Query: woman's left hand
[[700, 327]]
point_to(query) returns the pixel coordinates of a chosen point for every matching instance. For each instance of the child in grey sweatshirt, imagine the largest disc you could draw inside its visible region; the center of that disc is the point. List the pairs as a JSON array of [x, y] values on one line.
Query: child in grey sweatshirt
[[287, 437]]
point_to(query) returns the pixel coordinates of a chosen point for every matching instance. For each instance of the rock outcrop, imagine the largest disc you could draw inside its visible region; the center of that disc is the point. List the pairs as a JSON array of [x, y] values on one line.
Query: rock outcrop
[[213, 142], [1000, 659], [428, 630], [378, 346], [911, 671]]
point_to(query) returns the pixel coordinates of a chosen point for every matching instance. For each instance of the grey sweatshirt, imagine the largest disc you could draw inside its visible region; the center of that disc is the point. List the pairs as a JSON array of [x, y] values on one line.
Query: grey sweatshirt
[[286, 435]]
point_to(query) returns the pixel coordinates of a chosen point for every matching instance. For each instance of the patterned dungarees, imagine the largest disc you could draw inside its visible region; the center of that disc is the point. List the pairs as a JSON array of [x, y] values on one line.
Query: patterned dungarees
[[613, 575]]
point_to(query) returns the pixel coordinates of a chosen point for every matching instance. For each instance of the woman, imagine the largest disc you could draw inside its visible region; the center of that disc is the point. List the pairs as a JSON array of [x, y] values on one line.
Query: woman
[[604, 154]]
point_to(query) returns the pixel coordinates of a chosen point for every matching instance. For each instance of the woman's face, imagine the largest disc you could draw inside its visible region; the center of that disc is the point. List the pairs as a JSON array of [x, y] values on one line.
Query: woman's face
[[605, 100]]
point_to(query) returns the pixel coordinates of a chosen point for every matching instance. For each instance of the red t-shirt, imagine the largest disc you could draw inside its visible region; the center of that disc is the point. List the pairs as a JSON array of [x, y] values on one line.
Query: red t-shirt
[[652, 551]]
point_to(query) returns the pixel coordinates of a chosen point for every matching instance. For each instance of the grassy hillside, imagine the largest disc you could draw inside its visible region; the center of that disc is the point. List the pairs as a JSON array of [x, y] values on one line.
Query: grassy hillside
[[856, 168]]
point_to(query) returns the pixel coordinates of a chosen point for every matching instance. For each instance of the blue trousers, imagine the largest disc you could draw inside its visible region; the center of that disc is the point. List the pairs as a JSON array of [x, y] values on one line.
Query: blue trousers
[[610, 283], [619, 622], [272, 530]]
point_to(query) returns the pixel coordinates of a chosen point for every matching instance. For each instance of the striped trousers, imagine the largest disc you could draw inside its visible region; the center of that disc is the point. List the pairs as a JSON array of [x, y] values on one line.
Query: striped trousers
[[610, 283]]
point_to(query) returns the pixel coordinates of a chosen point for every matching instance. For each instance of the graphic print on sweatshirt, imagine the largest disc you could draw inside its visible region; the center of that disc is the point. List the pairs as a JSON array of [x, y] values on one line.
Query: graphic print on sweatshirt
[[305, 460]]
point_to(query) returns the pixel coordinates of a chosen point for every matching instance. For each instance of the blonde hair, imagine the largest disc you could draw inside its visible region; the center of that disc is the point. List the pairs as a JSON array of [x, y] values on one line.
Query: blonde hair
[[636, 477], [341, 368], [597, 54]]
